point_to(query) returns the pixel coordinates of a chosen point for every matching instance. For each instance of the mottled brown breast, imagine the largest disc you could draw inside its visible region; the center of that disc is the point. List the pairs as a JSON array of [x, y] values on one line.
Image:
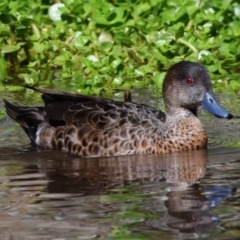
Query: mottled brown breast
[[184, 135]]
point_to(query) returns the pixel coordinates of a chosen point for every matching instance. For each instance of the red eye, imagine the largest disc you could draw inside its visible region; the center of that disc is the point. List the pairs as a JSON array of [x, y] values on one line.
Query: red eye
[[188, 80]]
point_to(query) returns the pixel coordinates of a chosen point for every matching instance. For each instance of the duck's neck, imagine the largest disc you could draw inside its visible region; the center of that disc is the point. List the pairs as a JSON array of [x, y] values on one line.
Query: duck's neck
[[180, 113]]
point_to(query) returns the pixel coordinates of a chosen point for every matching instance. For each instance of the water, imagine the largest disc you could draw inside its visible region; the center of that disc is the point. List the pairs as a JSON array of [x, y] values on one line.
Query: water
[[190, 195]]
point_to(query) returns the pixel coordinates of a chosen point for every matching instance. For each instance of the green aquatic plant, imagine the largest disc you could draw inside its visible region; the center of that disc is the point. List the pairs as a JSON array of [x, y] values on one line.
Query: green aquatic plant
[[109, 45]]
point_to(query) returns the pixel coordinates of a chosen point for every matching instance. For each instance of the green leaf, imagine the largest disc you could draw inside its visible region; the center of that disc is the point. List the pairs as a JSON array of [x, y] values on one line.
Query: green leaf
[[39, 47], [117, 81], [28, 79], [7, 18], [235, 28], [14, 88], [27, 22], [3, 67], [158, 78], [235, 85], [60, 60], [10, 48]]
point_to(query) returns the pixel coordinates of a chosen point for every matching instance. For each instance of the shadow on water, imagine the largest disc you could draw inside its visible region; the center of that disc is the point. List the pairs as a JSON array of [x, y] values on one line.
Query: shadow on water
[[46, 194]]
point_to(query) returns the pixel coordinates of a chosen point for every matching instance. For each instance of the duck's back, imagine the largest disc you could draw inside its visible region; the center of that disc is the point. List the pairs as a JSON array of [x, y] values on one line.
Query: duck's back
[[65, 108], [86, 126]]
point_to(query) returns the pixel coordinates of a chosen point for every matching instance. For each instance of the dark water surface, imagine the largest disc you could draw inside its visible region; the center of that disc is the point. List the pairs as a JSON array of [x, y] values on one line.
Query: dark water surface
[[191, 195]]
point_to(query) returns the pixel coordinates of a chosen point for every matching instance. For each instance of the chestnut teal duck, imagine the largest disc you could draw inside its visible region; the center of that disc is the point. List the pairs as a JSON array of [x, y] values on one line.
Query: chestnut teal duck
[[88, 126]]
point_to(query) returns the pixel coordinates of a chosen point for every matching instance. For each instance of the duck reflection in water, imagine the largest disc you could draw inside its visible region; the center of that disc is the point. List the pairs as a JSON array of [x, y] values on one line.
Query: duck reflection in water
[[99, 175], [173, 186], [192, 208], [189, 208], [189, 201]]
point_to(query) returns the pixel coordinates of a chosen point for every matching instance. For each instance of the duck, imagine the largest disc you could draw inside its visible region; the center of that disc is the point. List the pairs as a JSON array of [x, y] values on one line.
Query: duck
[[89, 126]]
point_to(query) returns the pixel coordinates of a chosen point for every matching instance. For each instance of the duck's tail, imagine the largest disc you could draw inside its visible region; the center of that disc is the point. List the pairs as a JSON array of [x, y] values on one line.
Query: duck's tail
[[29, 118]]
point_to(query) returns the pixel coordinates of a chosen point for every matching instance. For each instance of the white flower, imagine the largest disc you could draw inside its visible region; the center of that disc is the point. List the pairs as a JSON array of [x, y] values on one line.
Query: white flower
[[54, 11]]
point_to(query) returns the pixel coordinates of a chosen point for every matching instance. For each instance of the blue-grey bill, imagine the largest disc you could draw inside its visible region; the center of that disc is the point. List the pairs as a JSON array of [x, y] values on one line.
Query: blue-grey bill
[[210, 104]]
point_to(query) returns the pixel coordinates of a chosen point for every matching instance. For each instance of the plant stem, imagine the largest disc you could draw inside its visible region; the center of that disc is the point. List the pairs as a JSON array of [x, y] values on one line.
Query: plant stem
[[188, 44]]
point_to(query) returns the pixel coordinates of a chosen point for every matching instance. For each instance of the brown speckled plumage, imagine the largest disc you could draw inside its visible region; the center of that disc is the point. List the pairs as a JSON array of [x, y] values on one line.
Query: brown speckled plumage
[[90, 127]]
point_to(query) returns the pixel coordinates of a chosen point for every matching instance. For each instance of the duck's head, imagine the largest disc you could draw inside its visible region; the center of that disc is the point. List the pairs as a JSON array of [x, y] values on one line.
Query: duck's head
[[188, 85]]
